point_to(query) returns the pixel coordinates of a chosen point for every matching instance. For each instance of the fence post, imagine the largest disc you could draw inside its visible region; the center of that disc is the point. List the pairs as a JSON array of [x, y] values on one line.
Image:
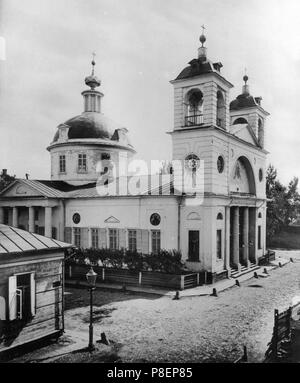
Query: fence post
[[140, 278], [70, 271], [289, 320], [198, 279], [103, 274], [275, 333], [182, 282]]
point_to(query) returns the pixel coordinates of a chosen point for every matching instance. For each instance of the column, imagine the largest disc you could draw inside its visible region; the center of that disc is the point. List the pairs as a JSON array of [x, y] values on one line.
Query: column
[[48, 221], [227, 240], [246, 237], [31, 219], [236, 257], [1, 215], [15, 216]]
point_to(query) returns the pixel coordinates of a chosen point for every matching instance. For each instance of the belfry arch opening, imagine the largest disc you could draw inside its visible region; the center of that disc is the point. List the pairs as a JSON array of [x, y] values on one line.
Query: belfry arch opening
[[220, 110], [240, 120], [194, 107], [242, 180]]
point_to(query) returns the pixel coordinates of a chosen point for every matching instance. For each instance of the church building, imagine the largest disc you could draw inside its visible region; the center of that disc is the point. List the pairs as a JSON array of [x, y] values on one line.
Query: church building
[[223, 235]]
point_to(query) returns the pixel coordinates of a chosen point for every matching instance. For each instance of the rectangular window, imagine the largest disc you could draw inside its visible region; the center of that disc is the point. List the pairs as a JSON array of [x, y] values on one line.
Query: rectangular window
[[77, 236], [105, 156], [155, 241], [62, 164], [132, 240], [219, 244], [82, 163], [113, 239], [95, 238], [36, 213], [21, 296], [259, 237], [194, 236]]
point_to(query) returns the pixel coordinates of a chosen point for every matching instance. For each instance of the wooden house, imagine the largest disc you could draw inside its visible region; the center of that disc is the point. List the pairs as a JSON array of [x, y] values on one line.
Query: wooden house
[[31, 287]]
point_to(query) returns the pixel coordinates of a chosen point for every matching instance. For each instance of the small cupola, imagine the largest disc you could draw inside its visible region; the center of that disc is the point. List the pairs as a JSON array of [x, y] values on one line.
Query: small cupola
[[92, 97]]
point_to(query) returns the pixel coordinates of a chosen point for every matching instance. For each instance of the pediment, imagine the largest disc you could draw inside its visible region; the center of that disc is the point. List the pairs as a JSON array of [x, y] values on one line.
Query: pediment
[[194, 216], [19, 189], [245, 132], [112, 219]]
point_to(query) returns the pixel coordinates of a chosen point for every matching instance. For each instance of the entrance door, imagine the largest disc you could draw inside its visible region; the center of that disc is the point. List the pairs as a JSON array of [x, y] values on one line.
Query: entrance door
[[194, 245]]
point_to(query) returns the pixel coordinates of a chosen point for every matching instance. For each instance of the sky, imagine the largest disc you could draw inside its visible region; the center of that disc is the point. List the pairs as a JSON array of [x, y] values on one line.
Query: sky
[[140, 46]]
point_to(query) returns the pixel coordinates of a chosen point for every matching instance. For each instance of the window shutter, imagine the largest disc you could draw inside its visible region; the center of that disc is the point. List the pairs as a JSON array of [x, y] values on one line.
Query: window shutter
[[145, 241], [68, 234], [2, 308], [102, 238], [84, 237], [139, 240], [12, 297], [32, 293], [122, 237]]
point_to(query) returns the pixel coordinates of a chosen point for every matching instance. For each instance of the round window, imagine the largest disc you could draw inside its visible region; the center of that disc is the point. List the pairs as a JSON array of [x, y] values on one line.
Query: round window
[[155, 219], [260, 175], [220, 164], [76, 218]]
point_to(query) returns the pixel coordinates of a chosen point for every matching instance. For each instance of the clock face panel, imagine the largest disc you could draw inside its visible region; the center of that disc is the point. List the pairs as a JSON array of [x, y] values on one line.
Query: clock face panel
[[76, 218], [155, 219]]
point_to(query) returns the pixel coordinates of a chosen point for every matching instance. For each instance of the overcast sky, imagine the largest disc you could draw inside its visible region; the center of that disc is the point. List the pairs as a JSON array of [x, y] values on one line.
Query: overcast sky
[[141, 45]]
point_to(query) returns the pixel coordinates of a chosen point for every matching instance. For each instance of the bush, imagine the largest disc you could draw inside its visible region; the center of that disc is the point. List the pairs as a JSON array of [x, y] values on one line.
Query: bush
[[166, 261]]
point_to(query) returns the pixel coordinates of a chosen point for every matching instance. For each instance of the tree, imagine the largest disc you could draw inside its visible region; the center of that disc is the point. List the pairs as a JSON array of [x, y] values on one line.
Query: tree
[[283, 202], [5, 179]]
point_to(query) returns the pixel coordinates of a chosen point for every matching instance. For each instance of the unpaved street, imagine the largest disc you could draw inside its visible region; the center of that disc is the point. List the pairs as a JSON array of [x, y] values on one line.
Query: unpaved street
[[195, 329]]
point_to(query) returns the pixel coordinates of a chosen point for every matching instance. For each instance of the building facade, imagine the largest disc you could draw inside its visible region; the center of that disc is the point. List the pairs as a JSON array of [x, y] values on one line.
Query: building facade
[[224, 141]]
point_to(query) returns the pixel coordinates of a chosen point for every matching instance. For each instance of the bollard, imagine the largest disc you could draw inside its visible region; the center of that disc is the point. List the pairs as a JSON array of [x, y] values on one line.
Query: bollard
[[266, 271], [104, 339], [255, 274], [176, 296], [291, 259], [214, 292], [237, 282], [280, 265]]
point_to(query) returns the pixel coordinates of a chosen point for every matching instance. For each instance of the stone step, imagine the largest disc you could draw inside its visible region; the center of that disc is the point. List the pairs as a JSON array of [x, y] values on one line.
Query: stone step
[[244, 270]]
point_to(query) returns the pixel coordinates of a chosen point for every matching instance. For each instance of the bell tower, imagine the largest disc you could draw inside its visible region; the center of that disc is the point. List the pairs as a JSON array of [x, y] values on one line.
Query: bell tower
[[201, 94], [246, 109]]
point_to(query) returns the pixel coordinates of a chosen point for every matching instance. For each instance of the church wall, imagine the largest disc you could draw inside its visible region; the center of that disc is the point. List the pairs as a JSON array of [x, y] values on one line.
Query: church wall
[[187, 142], [93, 155], [132, 213]]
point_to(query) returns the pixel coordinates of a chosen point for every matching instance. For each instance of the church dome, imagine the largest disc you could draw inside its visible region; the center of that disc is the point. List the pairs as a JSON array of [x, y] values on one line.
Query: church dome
[[90, 125]]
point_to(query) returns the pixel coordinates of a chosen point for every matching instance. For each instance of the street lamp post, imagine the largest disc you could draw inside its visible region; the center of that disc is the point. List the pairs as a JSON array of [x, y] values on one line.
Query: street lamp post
[[91, 277]]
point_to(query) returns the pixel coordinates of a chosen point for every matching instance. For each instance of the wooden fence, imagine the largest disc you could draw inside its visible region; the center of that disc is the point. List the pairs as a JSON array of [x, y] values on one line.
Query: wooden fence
[[135, 278], [281, 333]]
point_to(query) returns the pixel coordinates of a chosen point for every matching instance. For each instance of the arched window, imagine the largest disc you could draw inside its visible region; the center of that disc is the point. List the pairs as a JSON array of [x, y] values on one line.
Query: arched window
[[220, 216], [260, 133], [259, 215], [194, 103], [220, 110], [240, 120]]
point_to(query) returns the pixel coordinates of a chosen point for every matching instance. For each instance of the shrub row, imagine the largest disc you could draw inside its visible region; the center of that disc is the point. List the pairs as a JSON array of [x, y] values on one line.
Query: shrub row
[[166, 261]]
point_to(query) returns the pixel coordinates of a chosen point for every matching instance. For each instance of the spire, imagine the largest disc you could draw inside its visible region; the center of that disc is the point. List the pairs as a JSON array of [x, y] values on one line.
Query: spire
[[245, 90], [202, 51], [92, 81], [92, 97]]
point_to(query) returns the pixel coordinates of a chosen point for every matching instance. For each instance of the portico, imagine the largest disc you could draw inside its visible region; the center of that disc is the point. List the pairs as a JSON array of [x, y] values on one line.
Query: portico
[[35, 217]]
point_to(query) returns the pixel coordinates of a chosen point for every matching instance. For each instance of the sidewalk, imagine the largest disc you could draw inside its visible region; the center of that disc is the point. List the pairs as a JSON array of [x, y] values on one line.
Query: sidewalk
[[195, 291]]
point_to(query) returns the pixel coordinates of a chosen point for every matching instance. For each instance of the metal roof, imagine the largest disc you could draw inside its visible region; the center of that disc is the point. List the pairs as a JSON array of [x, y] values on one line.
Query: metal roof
[[14, 240]]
